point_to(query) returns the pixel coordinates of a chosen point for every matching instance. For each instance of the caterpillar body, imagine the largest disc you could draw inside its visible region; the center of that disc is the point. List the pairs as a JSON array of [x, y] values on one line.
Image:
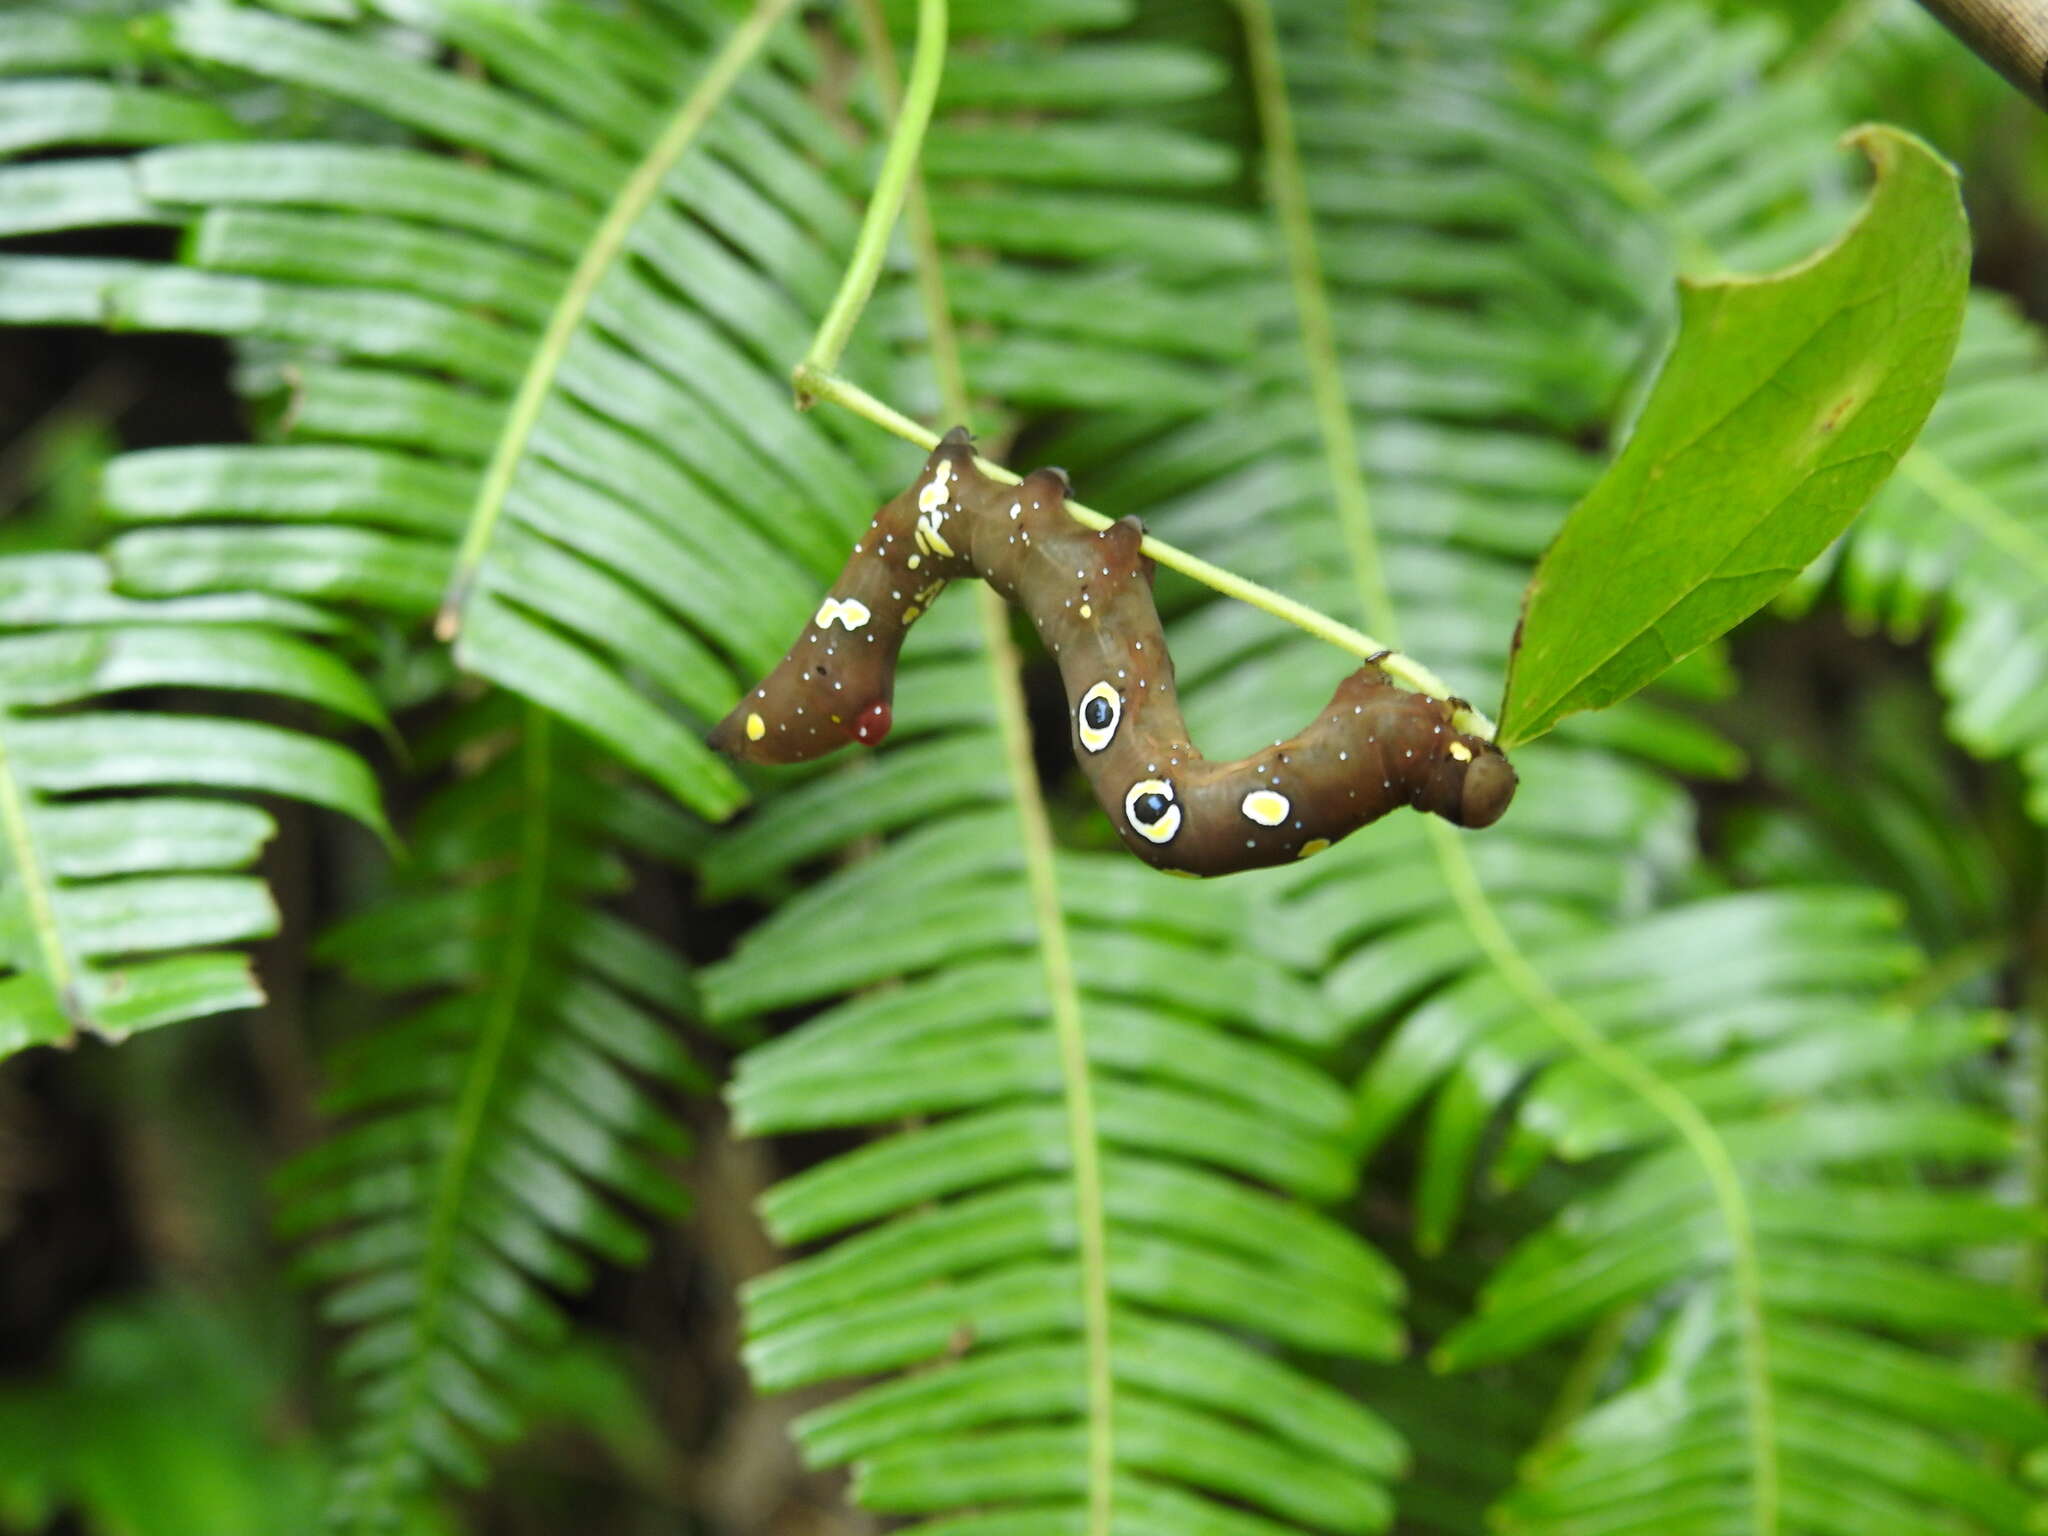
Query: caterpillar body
[[1375, 747]]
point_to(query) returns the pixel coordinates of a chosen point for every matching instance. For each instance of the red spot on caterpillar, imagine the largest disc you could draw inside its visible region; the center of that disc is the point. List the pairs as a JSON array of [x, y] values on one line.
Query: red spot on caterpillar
[[872, 724]]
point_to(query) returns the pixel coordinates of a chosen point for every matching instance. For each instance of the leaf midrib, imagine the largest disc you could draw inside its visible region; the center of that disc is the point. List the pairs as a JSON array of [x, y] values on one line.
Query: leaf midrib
[[1041, 873], [1077, 1082], [1288, 187], [484, 1076], [1984, 515], [606, 244], [38, 892]]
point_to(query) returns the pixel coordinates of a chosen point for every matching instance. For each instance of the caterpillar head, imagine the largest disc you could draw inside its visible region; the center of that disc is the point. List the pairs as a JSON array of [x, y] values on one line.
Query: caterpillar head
[[1489, 785]]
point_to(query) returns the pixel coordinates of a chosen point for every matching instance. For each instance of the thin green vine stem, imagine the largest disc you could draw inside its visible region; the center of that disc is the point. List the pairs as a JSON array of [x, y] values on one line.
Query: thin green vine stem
[[1084, 1148], [573, 307], [1290, 196], [1404, 669], [917, 217], [885, 202]]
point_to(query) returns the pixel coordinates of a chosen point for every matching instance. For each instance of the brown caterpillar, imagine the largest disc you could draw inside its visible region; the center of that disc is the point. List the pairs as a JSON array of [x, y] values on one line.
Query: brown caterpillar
[[1376, 746]]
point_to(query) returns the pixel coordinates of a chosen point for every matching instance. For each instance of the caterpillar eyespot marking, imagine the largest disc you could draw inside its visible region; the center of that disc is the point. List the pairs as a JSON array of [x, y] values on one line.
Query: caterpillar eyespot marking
[[1374, 748], [1150, 809], [1102, 708]]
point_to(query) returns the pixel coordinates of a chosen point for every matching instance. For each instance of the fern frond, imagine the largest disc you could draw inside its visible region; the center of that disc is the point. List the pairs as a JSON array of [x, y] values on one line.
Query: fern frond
[[495, 1129], [118, 900], [1056, 183], [1107, 1199], [1911, 827], [1957, 544], [1530, 1001], [545, 394], [1203, 1110]]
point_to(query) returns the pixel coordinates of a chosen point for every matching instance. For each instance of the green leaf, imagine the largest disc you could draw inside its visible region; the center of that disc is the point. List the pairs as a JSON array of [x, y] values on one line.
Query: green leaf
[[1783, 406]]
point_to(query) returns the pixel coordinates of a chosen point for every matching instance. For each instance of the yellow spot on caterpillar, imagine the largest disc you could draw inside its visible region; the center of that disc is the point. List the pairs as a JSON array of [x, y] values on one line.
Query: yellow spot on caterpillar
[[1087, 612], [1312, 847], [910, 614], [851, 612], [1180, 874], [916, 561], [1461, 752], [756, 728], [928, 536], [1265, 807], [837, 721], [933, 494]]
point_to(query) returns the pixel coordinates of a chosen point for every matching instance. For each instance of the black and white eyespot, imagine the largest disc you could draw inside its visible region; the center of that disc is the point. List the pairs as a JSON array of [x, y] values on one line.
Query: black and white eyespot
[[1150, 809], [1102, 708]]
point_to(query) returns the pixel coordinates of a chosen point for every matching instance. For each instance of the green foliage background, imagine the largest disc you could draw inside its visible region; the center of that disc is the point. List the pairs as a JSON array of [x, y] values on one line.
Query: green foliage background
[[1668, 1158]]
